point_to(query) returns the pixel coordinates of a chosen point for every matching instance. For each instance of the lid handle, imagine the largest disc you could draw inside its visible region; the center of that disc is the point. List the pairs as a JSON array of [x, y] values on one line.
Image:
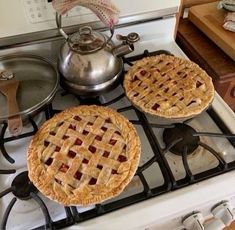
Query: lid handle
[[86, 30]]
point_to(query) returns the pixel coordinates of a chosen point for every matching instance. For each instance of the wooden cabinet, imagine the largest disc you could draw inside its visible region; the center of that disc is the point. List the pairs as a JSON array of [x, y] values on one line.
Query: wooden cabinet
[[211, 58]]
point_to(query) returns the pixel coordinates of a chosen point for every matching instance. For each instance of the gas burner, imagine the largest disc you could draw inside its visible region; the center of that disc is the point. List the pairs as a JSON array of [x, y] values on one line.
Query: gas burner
[[182, 136], [22, 186]]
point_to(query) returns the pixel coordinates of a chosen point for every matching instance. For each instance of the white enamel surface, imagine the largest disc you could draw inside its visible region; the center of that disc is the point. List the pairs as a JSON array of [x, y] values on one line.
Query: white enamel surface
[[15, 16]]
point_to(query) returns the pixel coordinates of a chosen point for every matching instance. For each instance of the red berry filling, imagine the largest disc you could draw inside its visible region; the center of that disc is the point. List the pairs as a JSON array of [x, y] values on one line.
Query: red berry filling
[[92, 181], [78, 142], [71, 154], [77, 118], [58, 181], [135, 78], [198, 84], [106, 154], [73, 127], [92, 148], [99, 167], [166, 90], [85, 132], [90, 123], [49, 161], [46, 143], [65, 137], [108, 120], [156, 106], [122, 158], [143, 72], [98, 138], [61, 123], [104, 128], [78, 175], [114, 171], [112, 142], [85, 161], [57, 149], [118, 133], [52, 133], [64, 168], [191, 102]]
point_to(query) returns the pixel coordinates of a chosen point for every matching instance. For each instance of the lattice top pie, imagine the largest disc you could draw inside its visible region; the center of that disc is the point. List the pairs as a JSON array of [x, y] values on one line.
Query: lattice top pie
[[168, 87], [84, 155]]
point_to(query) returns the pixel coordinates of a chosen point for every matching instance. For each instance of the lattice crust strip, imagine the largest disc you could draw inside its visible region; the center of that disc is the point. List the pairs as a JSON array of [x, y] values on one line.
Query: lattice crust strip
[[168, 87], [84, 155]]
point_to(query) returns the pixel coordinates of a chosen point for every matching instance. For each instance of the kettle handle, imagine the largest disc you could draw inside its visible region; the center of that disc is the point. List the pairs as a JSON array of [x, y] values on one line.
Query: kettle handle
[[62, 32]]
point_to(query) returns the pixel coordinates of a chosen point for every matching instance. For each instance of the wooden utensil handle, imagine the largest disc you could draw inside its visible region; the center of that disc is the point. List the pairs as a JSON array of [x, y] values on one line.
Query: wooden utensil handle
[[14, 123]]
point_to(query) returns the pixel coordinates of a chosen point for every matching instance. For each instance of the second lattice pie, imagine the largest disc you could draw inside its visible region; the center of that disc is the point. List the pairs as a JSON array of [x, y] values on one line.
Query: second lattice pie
[[169, 87]]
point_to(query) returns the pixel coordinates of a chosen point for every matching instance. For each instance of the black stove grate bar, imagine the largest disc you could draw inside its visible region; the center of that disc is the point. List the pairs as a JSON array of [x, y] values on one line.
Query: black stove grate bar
[[219, 135], [165, 150], [221, 125], [152, 140], [124, 109], [189, 174], [106, 208], [7, 213], [163, 126], [114, 100], [147, 189], [5, 192], [223, 165], [147, 164], [4, 140], [48, 224], [7, 171], [62, 223]]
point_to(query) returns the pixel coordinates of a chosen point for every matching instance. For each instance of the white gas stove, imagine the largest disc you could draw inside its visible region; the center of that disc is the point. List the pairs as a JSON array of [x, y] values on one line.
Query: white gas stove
[[167, 187]]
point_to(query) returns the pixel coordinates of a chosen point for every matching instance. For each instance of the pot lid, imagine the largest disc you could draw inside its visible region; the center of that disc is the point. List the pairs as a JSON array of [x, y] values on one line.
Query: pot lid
[[38, 81], [86, 40]]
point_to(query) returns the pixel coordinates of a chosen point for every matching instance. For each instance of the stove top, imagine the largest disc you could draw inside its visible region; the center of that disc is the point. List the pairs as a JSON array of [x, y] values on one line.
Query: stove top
[[173, 156]]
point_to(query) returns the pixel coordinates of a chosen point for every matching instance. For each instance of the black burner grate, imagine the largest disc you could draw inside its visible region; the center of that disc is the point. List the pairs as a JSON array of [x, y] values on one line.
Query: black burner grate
[[74, 215]]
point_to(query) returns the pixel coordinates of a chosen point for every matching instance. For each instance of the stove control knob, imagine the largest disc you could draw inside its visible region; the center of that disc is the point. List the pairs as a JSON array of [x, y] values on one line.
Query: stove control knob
[[224, 212], [193, 221]]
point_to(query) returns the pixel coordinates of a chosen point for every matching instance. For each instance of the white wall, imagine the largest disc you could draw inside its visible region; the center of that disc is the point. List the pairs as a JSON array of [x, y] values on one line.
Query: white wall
[[15, 15]]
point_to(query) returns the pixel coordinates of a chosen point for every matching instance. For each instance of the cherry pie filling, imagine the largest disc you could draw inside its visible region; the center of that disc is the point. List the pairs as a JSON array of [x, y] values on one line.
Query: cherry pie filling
[[64, 167]]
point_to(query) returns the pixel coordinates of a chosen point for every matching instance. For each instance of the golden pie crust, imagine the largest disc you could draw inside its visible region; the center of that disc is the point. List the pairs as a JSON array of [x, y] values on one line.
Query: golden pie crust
[[168, 87], [84, 155]]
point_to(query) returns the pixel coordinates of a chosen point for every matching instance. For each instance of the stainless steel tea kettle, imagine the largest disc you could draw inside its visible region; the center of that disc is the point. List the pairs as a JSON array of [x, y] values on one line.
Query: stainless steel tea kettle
[[89, 63]]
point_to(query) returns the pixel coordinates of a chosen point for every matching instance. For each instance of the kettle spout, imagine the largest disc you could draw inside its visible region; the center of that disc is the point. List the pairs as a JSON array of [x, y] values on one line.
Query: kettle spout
[[121, 50], [127, 45]]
